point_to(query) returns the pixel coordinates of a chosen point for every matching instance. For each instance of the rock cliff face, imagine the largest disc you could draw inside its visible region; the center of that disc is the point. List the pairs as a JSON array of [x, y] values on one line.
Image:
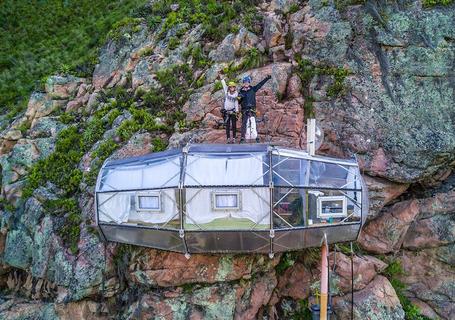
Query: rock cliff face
[[379, 78]]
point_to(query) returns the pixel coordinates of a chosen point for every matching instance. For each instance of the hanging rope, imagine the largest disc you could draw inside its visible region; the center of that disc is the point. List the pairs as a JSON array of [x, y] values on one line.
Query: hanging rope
[[352, 283]]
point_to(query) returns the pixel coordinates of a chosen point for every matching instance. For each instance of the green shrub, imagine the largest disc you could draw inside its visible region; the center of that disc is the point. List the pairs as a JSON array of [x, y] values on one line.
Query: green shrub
[[127, 129], [301, 312], [287, 260], [126, 25], [103, 151], [199, 59], [153, 99], [308, 107], [23, 128], [93, 132], [159, 144], [342, 4], [306, 70], [294, 8], [217, 17], [153, 22], [338, 87], [173, 43], [288, 39], [253, 59], [144, 52], [60, 167], [432, 3], [218, 86], [114, 114], [67, 118], [69, 210]]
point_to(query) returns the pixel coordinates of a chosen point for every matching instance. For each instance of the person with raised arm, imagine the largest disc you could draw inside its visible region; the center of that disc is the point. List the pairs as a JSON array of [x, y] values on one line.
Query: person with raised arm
[[230, 109], [247, 96]]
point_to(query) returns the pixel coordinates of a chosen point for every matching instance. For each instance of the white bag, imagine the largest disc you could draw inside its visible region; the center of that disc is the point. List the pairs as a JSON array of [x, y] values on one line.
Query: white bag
[[251, 132]]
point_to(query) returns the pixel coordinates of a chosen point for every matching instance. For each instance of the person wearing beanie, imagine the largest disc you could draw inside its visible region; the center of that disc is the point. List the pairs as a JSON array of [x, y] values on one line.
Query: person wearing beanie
[[247, 96]]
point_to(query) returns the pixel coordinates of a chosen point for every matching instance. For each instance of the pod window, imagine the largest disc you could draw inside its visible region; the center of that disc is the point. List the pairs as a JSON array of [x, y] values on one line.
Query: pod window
[[226, 200], [148, 201], [332, 207]]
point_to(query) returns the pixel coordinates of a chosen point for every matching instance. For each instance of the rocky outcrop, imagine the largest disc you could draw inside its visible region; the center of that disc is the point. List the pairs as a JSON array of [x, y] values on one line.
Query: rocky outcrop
[[166, 269], [436, 283], [234, 44], [387, 232], [378, 300], [396, 114]]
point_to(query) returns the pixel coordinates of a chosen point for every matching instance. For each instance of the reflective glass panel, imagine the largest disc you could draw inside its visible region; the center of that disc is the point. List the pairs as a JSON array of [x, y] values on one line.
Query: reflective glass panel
[[226, 170], [226, 201], [332, 175], [289, 206], [289, 171], [297, 207], [149, 202]]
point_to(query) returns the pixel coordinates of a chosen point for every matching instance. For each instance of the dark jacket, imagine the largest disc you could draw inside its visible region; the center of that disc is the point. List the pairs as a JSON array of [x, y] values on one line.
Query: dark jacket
[[248, 97]]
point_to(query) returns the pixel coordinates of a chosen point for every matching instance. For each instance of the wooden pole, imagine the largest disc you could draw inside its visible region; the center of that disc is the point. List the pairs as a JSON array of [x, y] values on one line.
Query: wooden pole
[[324, 280]]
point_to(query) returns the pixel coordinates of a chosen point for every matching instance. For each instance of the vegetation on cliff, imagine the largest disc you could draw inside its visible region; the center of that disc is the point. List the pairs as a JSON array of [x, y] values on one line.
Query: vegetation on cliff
[[41, 38]]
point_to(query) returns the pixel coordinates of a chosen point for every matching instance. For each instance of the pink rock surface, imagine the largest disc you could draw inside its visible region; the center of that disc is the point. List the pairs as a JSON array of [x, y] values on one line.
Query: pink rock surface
[[386, 233]]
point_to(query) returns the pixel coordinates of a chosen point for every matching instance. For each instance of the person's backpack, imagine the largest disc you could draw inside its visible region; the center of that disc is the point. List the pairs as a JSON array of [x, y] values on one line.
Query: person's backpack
[[251, 132]]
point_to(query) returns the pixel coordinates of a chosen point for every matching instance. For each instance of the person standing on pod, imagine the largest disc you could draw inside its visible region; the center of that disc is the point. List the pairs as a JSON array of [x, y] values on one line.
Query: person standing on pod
[[230, 109], [247, 96]]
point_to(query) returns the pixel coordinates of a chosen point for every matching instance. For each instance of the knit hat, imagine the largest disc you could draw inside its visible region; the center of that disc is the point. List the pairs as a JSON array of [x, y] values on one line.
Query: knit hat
[[246, 79]]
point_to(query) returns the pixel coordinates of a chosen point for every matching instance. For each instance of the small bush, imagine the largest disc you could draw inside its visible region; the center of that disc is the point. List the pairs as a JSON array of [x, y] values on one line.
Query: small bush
[[218, 86], [153, 22], [104, 150], [432, 3], [159, 144], [288, 39], [144, 52], [114, 114], [199, 59], [253, 59], [23, 128], [308, 107], [294, 8], [93, 132], [287, 260], [173, 43], [127, 129], [67, 118], [126, 25], [306, 70], [343, 4], [69, 210]]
